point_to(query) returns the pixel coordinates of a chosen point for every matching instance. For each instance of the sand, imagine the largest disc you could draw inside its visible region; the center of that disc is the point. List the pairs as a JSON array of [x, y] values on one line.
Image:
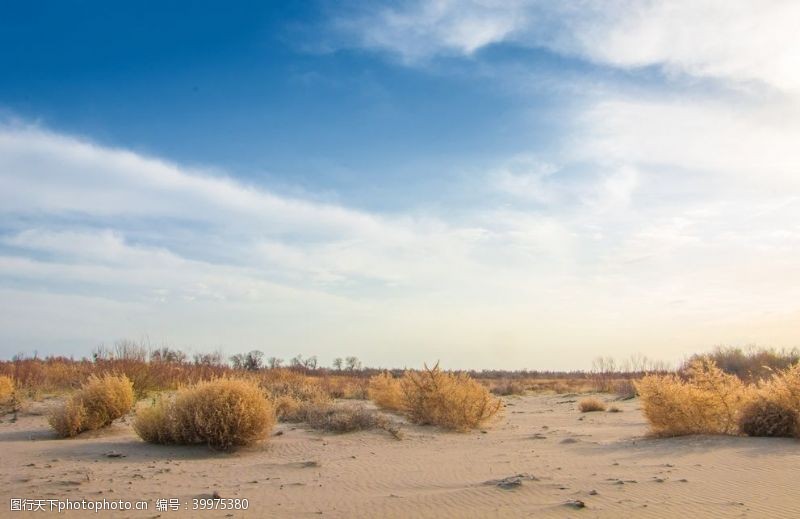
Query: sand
[[541, 458]]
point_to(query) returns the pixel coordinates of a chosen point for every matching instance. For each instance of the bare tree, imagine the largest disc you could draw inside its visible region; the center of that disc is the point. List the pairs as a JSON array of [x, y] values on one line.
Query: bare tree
[[310, 362], [274, 362], [338, 362], [297, 361], [251, 361], [208, 359], [352, 363]]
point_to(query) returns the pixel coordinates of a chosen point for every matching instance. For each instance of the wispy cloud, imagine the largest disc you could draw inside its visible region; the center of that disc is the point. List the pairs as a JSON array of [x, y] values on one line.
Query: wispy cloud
[[735, 40]]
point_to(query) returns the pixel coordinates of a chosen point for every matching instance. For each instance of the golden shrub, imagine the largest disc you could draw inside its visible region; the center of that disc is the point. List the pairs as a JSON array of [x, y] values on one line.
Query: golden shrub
[[6, 390], [386, 392], [155, 423], [766, 417], [221, 413], [67, 420], [100, 401], [708, 402], [452, 401], [591, 404], [784, 388]]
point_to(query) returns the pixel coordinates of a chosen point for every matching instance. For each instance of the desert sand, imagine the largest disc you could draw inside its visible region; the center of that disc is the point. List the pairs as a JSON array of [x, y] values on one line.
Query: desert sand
[[537, 459]]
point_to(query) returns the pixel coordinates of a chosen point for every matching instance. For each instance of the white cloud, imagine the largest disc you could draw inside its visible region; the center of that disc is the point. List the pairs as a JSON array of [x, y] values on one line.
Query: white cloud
[[742, 41]]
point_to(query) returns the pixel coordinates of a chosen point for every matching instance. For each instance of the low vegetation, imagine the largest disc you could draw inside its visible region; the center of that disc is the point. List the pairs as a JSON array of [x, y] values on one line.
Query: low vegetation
[[6, 390], [100, 401], [707, 400], [507, 387], [9, 396], [748, 364], [385, 391], [343, 418], [767, 417], [291, 391], [433, 397], [591, 404], [221, 413]]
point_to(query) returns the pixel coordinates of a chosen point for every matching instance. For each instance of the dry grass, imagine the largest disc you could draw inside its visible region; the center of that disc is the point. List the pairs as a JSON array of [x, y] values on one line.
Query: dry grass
[[707, 402], [221, 413], [100, 401], [452, 401], [56, 375], [386, 392], [614, 409], [591, 404]]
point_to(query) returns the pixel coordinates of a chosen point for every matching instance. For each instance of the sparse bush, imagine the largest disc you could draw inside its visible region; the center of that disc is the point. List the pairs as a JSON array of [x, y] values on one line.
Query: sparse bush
[[385, 391], [766, 417], [342, 418], [591, 404], [624, 389], [452, 401], [221, 413], [100, 401], [614, 409], [707, 402], [508, 387]]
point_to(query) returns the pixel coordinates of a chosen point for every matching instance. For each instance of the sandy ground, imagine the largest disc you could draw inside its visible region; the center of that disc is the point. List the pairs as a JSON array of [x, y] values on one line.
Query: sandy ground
[[601, 459]]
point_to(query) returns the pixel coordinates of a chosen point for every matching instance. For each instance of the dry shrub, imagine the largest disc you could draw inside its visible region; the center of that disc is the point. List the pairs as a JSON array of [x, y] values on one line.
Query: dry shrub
[[766, 417], [6, 390], [342, 386], [100, 401], [707, 402], [290, 390], [614, 409], [385, 391], [784, 388], [221, 413], [452, 401], [591, 404]]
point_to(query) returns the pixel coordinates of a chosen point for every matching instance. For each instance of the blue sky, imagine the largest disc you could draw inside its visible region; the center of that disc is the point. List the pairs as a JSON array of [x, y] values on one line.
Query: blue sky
[[484, 183]]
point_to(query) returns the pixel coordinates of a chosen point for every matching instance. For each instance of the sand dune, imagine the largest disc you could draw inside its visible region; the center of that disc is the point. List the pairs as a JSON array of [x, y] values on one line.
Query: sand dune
[[541, 458]]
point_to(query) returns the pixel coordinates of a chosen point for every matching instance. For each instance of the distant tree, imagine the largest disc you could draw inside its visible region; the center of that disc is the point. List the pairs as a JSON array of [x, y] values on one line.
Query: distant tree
[[251, 361], [310, 362], [352, 363], [165, 354], [297, 361], [237, 361], [338, 362], [274, 362], [208, 359]]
